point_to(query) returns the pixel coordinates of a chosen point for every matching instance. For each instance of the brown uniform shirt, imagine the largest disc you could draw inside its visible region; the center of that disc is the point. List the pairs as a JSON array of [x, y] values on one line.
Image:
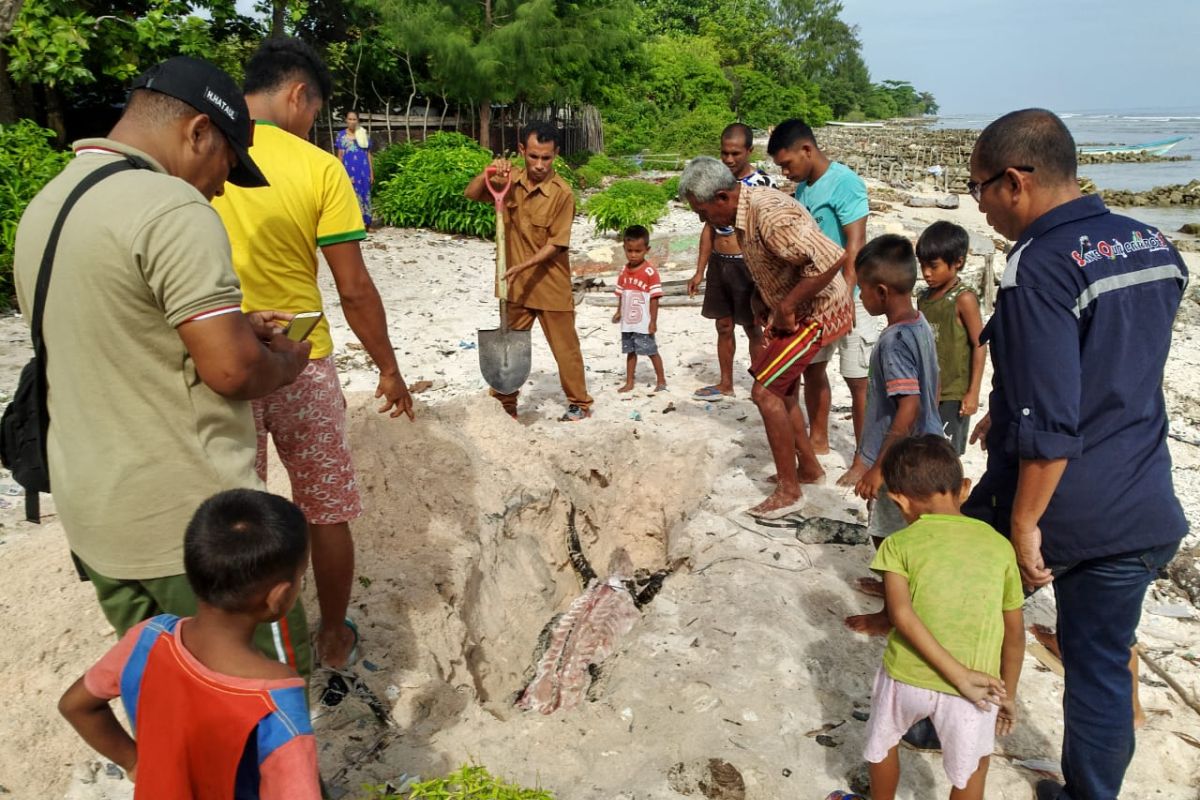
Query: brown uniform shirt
[[783, 244], [537, 215]]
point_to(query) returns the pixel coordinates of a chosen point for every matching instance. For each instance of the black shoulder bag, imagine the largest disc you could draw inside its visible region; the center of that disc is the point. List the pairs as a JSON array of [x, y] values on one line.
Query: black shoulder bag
[[27, 418]]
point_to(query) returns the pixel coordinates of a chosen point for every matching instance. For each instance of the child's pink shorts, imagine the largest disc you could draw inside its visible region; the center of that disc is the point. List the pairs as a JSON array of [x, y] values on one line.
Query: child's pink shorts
[[967, 733]]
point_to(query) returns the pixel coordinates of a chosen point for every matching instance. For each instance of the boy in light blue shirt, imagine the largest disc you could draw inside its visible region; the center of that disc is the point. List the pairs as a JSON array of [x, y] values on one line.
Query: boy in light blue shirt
[[837, 199]]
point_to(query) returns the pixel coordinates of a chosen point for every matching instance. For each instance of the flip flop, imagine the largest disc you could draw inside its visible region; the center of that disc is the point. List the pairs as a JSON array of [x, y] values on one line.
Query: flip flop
[[708, 393], [352, 659]]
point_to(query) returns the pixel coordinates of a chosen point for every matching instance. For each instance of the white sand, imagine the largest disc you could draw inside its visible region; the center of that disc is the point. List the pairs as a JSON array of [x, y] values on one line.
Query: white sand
[[462, 560]]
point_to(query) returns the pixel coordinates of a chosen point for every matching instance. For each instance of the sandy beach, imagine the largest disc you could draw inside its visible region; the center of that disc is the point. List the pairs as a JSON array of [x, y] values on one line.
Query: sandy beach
[[462, 560]]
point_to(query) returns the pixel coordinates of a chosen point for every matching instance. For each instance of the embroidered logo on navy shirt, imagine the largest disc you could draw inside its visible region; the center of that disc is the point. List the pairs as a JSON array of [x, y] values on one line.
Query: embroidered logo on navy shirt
[[1151, 242]]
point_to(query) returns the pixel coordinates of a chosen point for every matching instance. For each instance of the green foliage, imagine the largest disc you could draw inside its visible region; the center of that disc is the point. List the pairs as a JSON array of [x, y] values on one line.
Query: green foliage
[[390, 160], [600, 166], [627, 203], [670, 188], [74, 43], [27, 163], [428, 191], [468, 783], [448, 140]]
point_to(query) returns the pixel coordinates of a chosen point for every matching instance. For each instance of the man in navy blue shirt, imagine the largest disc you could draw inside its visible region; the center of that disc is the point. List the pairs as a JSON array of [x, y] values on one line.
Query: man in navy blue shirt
[[1078, 471]]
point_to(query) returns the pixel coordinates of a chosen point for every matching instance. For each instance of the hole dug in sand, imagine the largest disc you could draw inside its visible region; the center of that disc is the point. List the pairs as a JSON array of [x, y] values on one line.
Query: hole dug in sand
[[463, 549]]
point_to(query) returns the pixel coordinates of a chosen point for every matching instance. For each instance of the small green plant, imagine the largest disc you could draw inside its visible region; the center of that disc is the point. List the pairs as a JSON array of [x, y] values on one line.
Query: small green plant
[[468, 783], [27, 163], [601, 166], [670, 188], [627, 203]]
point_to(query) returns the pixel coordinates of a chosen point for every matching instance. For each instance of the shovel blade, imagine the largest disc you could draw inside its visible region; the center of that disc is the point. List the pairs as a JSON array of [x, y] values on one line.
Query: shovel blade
[[504, 359]]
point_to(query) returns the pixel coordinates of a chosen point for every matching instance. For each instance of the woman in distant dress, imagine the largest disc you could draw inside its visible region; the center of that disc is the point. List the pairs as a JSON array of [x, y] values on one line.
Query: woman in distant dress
[[354, 151]]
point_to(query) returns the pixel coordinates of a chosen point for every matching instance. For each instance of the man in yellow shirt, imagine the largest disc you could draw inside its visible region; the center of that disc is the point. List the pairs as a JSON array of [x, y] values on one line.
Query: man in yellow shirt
[[275, 234]]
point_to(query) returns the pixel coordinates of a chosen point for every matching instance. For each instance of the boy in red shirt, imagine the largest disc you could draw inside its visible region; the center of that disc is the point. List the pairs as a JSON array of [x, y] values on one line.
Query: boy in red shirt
[[639, 288], [213, 717]]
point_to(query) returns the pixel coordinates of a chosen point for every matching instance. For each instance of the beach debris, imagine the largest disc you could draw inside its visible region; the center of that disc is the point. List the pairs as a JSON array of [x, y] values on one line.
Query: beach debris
[[670, 407], [1184, 571], [1173, 610], [715, 779], [818, 530], [636, 416], [1042, 766], [420, 386]]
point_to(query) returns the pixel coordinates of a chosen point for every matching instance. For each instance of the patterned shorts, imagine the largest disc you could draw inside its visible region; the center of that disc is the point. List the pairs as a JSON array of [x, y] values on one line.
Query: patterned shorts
[[967, 734], [307, 421]]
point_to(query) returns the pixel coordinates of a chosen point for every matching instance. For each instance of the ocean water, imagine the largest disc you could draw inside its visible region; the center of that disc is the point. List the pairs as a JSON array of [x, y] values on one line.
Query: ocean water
[[1128, 127]]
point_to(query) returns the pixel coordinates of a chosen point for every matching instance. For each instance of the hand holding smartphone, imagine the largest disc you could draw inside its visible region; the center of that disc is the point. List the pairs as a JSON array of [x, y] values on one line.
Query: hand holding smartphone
[[302, 325]]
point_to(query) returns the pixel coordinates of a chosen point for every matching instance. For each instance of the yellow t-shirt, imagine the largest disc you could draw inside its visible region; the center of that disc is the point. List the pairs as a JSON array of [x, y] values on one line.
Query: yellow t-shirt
[[962, 577], [275, 231]]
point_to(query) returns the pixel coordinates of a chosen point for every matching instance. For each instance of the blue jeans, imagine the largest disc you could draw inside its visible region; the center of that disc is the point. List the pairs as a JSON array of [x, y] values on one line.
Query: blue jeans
[[1099, 605]]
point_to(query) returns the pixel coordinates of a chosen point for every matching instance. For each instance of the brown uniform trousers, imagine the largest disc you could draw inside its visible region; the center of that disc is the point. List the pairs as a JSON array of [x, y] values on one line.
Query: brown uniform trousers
[[559, 328]]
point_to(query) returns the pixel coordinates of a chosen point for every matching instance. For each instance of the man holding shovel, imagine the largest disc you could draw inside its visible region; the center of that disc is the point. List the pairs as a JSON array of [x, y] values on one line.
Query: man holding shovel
[[537, 212]]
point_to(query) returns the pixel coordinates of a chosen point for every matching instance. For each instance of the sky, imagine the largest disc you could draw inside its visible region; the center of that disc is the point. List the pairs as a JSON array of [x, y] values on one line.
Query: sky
[[993, 56]]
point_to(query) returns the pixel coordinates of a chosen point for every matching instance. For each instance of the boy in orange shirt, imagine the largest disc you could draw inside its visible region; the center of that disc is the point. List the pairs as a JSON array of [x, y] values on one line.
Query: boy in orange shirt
[[213, 717]]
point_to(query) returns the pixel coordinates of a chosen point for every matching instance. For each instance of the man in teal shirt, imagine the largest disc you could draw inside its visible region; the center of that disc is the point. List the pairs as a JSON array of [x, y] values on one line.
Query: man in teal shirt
[[837, 199]]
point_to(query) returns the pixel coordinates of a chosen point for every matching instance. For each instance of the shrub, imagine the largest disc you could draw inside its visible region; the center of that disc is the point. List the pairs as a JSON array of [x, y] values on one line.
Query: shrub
[[600, 166], [389, 160], [627, 203], [449, 140], [27, 163], [428, 191], [468, 783], [670, 188]]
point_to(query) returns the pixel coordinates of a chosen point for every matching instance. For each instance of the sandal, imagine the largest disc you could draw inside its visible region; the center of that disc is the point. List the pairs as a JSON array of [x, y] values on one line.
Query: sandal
[[709, 393]]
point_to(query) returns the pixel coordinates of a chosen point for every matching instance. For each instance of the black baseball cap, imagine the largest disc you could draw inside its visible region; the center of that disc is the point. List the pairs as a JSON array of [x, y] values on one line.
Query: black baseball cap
[[210, 91]]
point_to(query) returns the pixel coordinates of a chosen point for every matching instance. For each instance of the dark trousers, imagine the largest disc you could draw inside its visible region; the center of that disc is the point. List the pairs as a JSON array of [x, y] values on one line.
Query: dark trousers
[[1099, 605]]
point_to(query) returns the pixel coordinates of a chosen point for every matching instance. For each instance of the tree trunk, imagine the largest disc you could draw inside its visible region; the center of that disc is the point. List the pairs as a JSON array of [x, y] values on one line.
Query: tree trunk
[[55, 118], [485, 124], [8, 101], [278, 18], [425, 122]]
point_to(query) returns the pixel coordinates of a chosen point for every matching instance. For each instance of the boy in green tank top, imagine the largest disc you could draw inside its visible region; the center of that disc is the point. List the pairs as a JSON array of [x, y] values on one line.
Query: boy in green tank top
[[952, 310]]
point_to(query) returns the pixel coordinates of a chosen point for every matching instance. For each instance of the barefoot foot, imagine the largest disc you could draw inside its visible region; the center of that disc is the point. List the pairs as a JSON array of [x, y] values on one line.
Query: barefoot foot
[[625, 387], [1047, 639], [870, 586], [876, 624], [335, 644], [778, 505]]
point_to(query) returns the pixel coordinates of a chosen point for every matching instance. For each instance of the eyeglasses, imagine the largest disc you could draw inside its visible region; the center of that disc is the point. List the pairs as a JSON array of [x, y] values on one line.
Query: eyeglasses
[[976, 189]]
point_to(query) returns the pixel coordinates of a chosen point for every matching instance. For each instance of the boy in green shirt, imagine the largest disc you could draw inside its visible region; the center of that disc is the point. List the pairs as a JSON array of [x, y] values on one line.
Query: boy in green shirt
[[954, 598]]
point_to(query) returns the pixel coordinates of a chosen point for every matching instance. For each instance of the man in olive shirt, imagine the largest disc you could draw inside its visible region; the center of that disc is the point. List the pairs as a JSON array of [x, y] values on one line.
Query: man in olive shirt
[[538, 213], [150, 360]]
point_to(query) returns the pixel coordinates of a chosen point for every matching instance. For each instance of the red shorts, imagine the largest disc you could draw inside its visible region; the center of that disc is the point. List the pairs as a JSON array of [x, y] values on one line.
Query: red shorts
[[307, 421], [782, 362]]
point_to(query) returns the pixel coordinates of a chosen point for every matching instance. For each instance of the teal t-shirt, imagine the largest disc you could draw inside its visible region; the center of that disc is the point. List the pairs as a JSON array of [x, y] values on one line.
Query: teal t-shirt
[[837, 198], [962, 577]]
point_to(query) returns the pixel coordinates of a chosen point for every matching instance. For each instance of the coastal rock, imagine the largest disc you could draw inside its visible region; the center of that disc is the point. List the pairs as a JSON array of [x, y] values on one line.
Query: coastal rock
[[921, 202], [948, 202], [1191, 228]]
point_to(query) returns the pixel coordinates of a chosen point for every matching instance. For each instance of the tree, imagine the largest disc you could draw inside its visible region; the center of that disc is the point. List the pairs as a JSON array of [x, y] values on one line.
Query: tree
[[506, 51]]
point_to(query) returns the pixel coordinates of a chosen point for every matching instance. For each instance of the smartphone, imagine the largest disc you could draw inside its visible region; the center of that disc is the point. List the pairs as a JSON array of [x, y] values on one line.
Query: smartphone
[[302, 325]]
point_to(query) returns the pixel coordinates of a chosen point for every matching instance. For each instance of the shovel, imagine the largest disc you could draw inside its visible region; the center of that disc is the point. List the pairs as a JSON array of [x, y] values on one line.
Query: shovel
[[504, 355]]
